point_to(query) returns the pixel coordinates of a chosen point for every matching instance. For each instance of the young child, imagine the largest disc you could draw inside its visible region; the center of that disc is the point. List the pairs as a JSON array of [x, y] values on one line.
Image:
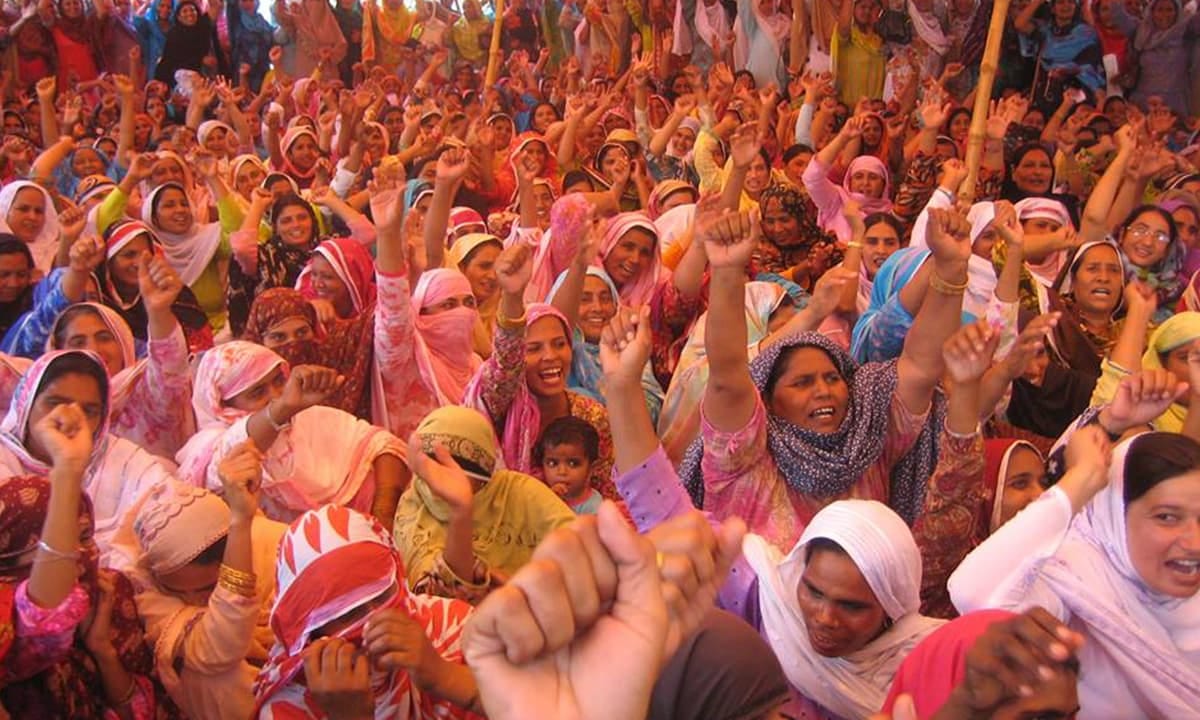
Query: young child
[[566, 451]]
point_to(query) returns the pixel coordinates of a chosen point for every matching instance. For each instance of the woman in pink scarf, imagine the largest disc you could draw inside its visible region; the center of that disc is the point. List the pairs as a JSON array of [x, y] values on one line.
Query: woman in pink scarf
[[445, 318], [341, 277], [629, 254], [866, 181], [341, 587], [313, 454]]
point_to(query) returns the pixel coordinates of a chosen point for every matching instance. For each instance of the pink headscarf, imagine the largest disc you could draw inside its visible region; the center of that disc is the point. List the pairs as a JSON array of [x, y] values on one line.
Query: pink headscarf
[[873, 165], [225, 371], [639, 291], [523, 421], [443, 340], [354, 267]]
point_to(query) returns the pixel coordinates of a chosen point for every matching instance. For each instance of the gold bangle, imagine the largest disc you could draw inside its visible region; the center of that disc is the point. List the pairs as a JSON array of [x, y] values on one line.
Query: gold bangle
[[511, 323], [946, 287], [854, 244], [237, 581]]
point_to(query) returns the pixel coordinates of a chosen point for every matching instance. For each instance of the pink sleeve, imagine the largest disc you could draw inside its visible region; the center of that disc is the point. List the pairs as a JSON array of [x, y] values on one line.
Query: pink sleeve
[[405, 394], [498, 380], [159, 409], [42, 636], [362, 230], [730, 455], [821, 189], [245, 250]]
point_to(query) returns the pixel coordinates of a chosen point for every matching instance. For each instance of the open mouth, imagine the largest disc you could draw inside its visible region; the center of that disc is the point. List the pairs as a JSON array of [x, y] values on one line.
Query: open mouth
[[823, 413], [551, 375], [1188, 570]]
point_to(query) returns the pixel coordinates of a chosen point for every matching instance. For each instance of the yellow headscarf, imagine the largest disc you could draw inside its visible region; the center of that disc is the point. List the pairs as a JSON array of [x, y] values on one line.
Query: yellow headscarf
[[1180, 329], [481, 336]]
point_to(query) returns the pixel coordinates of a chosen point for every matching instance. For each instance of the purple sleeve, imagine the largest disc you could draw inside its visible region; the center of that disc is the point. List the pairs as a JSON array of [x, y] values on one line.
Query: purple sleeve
[[42, 636]]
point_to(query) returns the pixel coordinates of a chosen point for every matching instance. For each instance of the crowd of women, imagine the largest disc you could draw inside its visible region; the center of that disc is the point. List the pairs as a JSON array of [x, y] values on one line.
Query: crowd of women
[[679, 366]]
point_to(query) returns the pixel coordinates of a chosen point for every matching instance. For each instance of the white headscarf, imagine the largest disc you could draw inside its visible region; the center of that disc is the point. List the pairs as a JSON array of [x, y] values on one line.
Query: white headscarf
[[929, 29], [883, 549], [1154, 640], [190, 252], [45, 246]]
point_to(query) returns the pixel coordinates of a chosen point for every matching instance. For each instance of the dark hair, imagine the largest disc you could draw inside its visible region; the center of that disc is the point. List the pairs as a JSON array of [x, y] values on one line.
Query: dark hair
[[76, 364], [550, 105], [954, 114], [290, 200], [67, 317], [795, 150], [747, 74], [886, 218], [158, 196], [1155, 457], [212, 554], [575, 177], [568, 431], [1140, 210], [1020, 153], [824, 545], [10, 245]]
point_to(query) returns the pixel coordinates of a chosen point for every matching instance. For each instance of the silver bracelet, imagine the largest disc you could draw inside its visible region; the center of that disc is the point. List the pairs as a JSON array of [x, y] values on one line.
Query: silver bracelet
[[45, 547], [274, 425]]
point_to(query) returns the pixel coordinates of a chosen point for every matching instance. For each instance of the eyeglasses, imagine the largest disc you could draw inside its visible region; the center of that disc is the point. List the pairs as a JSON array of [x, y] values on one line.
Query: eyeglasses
[[1140, 231]]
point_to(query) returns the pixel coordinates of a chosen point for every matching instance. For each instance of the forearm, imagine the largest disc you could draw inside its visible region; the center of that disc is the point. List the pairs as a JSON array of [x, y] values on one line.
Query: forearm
[[1191, 423], [1010, 276], [962, 411], [940, 315], [459, 554], [119, 684], [125, 141], [658, 144], [49, 120], [238, 550], [52, 577], [634, 436], [1094, 224], [569, 294], [527, 204], [436, 220], [454, 682], [391, 480], [1131, 194], [261, 426], [42, 171], [1131, 342], [731, 191], [689, 274]]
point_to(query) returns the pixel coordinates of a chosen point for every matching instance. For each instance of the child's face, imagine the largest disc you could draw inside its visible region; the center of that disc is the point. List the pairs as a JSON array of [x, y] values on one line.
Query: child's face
[[566, 468]]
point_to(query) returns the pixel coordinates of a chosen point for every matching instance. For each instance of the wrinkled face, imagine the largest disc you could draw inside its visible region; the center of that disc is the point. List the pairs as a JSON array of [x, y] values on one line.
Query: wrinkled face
[[217, 141], [683, 140], [284, 332], [173, 212], [841, 613], [259, 395], [810, 392], [166, 170], [1188, 226], [1099, 278], [566, 469], [1034, 173], [328, 286], [295, 226], [543, 117], [758, 176], [794, 169], [1163, 13], [86, 331], [15, 273], [778, 225], [303, 153], [78, 388], [249, 176], [480, 270], [597, 306], [867, 183], [1163, 531], [879, 243], [86, 161], [632, 254], [547, 357], [27, 214], [1024, 481], [188, 15], [1146, 239]]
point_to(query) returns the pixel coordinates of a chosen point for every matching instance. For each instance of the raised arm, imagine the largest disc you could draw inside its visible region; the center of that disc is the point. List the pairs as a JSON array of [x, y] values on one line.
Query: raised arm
[[570, 293], [920, 364], [1023, 22], [452, 166], [125, 138], [729, 397], [1095, 213], [44, 166]]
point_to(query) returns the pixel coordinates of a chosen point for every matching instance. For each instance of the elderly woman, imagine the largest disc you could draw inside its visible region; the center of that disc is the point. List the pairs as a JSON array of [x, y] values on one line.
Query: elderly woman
[[466, 524], [1109, 551]]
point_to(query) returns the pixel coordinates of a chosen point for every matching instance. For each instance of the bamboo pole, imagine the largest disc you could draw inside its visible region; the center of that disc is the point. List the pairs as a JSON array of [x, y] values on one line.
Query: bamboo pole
[[983, 96], [493, 68]]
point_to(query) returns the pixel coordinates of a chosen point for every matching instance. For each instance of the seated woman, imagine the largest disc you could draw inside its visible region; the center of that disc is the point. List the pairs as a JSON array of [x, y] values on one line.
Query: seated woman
[[312, 454], [259, 266], [342, 589], [803, 425], [629, 254], [118, 471], [126, 243], [27, 212], [1109, 551], [204, 572], [522, 387], [474, 255], [875, 238], [866, 181], [28, 305], [340, 279], [466, 524], [1049, 237], [77, 639]]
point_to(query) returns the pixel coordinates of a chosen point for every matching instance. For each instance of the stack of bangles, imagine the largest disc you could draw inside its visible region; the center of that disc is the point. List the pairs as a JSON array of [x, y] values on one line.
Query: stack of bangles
[[946, 287], [510, 323], [237, 582]]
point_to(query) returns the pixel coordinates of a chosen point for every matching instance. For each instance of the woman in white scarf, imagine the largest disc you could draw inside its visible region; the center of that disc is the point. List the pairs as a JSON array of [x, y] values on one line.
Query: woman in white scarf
[[704, 39], [27, 211], [1113, 553], [840, 642], [761, 33]]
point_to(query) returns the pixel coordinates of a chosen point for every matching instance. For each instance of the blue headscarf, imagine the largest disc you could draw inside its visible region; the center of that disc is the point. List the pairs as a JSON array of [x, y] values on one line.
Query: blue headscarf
[[64, 174], [879, 333], [151, 35]]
